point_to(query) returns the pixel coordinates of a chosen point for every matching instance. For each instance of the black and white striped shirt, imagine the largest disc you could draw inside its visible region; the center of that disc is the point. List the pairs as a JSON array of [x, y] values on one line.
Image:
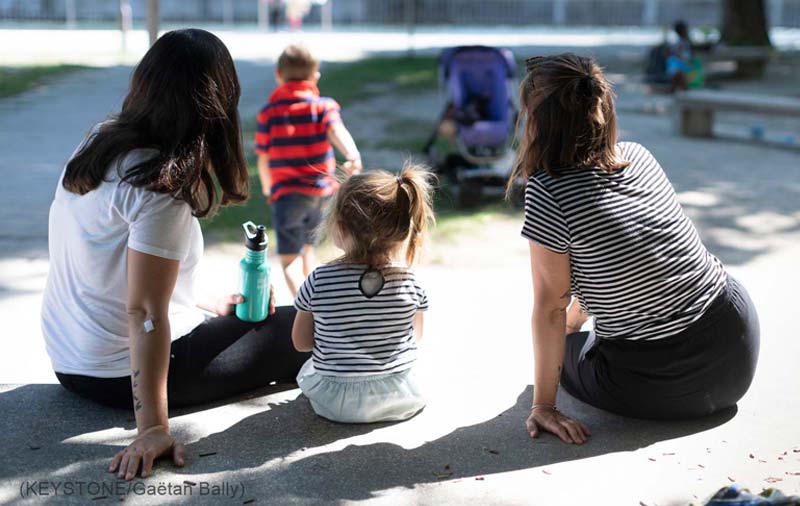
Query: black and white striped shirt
[[356, 335], [637, 263]]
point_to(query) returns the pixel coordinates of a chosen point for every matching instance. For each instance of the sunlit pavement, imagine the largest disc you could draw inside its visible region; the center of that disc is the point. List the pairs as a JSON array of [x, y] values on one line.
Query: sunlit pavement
[[469, 445]]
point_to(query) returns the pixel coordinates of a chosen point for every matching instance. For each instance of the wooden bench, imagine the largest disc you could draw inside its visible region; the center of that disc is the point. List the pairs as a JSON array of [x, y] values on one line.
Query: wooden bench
[[694, 110], [748, 61]]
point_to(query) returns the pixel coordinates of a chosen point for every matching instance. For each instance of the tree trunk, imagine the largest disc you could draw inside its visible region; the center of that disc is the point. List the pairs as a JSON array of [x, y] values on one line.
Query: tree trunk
[[153, 18], [744, 23]]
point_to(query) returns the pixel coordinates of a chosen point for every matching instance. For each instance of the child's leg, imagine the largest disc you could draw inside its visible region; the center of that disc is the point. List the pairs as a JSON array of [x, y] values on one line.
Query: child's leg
[[288, 218], [308, 259], [290, 266], [313, 219]]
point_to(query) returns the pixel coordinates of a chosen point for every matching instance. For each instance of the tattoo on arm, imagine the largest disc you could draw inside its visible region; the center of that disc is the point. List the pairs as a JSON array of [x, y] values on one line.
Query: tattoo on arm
[[137, 404]]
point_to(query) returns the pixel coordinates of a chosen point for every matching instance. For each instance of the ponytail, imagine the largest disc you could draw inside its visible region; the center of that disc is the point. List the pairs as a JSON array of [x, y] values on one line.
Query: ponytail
[[379, 211], [414, 183]]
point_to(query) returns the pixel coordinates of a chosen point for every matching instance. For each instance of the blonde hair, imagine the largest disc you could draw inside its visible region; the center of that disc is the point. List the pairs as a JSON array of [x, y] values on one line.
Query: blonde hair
[[378, 211], [296, 63]]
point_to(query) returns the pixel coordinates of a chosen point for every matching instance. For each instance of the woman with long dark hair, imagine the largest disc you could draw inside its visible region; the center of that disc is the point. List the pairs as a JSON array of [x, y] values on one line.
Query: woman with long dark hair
[[674, 335], [119, 317]]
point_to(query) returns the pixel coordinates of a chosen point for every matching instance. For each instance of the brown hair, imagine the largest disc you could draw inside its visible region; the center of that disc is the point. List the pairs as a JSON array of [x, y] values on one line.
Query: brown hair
[[182, 103], [569, 120], [296, 63], [376, 212]]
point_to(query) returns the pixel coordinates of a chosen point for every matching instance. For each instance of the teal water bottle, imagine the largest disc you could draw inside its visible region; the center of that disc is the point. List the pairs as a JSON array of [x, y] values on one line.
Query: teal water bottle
[[254, 275]]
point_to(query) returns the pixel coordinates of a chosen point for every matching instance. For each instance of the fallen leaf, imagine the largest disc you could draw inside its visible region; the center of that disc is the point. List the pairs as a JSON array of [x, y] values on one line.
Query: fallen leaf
[[642, 503], [668, 454], [545, 471], [790, 473], [479, 478], [701, 466], [207, 454], [762, 461], [731, 480], [651, 458], [773, 479], [752, 456]]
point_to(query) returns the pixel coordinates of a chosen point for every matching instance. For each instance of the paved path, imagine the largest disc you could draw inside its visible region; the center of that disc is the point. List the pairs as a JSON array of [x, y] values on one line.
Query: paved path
[[469, 445]]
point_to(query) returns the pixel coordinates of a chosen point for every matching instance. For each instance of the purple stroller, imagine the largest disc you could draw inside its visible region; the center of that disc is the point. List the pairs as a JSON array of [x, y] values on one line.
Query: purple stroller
[[479, 118]]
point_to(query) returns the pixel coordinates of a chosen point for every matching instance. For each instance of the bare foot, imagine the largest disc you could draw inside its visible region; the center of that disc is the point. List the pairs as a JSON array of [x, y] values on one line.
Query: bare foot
[[576, 317]]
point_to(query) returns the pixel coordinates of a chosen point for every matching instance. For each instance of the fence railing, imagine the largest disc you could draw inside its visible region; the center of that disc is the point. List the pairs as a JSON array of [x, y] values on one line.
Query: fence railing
[[784, 13]]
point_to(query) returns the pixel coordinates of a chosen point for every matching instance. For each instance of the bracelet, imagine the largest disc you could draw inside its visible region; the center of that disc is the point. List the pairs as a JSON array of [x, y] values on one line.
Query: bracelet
[[544, 405]]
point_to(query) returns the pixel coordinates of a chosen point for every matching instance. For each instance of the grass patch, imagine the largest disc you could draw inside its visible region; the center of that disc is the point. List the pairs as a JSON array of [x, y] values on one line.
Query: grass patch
[[16, 80], [349, 82]]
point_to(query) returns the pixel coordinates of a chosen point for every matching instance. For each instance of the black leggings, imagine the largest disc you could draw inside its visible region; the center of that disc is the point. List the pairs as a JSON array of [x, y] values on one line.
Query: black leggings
[[220, 358], [706, 368]]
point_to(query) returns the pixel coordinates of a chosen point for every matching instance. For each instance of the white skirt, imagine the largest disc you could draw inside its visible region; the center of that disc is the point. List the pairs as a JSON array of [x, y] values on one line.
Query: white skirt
[[361, 399]]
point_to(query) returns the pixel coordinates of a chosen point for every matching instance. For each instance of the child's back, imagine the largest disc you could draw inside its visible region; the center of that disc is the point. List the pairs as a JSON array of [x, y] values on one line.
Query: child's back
[[358, 335], [362, 315], [293, 133]]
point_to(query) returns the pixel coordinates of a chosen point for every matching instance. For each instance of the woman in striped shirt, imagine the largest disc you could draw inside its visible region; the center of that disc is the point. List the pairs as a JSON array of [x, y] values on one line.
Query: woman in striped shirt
[[674, 335], [362, 315]]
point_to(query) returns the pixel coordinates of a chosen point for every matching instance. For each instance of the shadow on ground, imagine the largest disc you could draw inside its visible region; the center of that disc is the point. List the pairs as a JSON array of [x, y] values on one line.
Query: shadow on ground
[[46, 415]]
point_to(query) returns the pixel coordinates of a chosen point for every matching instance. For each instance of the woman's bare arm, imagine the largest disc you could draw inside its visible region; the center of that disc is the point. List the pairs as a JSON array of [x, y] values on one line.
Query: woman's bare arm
[[551, 296], [151, 280]]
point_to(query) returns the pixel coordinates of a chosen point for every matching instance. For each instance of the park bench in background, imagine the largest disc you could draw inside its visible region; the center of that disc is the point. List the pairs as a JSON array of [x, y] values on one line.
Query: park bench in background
[[694, 110], [747, 61]]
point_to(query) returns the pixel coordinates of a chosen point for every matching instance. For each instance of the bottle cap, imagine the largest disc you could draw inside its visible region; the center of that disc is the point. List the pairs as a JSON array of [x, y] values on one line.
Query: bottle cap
[[255, 236]]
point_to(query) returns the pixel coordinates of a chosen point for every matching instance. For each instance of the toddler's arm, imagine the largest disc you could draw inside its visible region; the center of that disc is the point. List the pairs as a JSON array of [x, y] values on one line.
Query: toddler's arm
[[341, 139], [419, 320], [303, 331], [264, 175]]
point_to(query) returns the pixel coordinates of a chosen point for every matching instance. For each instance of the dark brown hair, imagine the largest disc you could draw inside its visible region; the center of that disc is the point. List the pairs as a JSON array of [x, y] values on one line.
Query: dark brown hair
[[296, 63], [567, 119], [182, 103], [376, 212]]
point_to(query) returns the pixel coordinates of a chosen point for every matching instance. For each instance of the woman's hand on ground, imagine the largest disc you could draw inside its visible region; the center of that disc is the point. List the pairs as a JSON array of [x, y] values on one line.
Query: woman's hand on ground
[[151, 444], [555, 422]]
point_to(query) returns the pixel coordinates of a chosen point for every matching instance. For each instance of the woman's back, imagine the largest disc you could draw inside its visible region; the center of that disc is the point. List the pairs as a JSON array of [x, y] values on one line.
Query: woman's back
[[637, 262], [84, 311]]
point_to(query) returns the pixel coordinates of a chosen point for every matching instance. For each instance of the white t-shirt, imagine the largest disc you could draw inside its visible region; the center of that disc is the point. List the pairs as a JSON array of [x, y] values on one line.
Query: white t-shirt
[[84, 318]]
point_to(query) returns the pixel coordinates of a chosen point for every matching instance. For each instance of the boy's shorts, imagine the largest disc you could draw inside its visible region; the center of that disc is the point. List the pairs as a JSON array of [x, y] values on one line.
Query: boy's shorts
[[296, 217]]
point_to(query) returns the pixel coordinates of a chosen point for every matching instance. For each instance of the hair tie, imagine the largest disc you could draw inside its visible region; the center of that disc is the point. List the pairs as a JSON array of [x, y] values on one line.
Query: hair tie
[[399, 180], [586, 85]]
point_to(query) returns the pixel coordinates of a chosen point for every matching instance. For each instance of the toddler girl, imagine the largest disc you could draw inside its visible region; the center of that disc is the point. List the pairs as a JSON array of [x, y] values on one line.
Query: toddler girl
[[362, 314]]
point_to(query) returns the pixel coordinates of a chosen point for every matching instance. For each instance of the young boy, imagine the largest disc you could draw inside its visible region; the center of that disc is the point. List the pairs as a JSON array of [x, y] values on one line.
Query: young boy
[[295, 158]]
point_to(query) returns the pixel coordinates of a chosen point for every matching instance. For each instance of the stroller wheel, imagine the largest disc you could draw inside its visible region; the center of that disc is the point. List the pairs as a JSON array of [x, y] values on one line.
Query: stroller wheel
[[469, 194]]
